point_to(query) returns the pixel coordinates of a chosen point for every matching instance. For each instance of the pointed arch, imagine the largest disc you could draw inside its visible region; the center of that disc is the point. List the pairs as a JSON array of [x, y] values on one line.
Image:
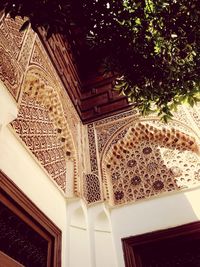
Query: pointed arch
[[39, 88], [147, 158], [78, 218], [101, 222]]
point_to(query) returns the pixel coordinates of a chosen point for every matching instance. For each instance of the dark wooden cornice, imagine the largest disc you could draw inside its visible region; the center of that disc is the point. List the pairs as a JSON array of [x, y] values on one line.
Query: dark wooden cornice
[[94, 98]]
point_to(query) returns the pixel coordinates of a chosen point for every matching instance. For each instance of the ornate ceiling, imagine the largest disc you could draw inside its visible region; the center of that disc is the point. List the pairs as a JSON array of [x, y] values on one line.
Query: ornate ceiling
[[119, 159], [92, 94]]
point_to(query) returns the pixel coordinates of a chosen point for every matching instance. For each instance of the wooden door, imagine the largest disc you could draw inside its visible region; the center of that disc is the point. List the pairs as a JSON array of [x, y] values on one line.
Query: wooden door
[[26, 234], [174, 247]]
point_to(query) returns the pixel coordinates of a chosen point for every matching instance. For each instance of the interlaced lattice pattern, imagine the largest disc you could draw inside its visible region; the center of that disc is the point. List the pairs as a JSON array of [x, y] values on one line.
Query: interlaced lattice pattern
[[35, 128], [148, 161], [92, 189], [36, 86]]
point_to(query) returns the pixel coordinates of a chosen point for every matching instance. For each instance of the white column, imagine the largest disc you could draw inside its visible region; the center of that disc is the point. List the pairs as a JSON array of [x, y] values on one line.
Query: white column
[[90, 231], [70, 178]]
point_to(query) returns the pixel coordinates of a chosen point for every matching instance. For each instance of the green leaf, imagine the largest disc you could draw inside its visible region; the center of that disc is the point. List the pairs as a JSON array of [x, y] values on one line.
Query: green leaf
[[191, 101]]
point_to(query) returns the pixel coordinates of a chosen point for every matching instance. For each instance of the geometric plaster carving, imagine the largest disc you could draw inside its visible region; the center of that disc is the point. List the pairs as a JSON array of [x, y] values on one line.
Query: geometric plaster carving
[[92, 149], [15, 48], [92, 192], [36, 130], [15, 37], [148, 161], [9, 72], [23, 70], [39, 88]]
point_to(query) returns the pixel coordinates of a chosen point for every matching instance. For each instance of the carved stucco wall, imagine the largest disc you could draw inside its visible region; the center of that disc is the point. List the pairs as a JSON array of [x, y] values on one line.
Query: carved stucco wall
[[149, 160], [12, 58], [151, 164], [32, 80], [36, 130], [92, 192], [139, 158]]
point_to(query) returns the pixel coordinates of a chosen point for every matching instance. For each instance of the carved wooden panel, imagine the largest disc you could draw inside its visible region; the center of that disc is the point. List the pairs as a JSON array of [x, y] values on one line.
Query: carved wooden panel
[[20, 241], [94, 98]]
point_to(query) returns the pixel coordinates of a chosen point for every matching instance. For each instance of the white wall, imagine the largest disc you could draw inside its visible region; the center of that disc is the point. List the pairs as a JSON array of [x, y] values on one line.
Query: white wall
[[78, 239], [104, 250], [154, 214]]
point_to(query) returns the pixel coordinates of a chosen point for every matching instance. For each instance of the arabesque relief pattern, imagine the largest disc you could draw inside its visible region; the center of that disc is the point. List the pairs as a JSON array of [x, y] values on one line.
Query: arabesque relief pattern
[[195, 117], [39, 86], [14, 53], [35, 128], [40, 58], [104, 132], [92, 149], [149, 160], [26, 68], [92, 188], [44, 85], [9, 72]]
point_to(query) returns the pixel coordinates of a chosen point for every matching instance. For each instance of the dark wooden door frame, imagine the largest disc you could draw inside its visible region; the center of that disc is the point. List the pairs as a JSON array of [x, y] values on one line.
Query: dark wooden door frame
[[132, 244], [13, 198], [5, 260]]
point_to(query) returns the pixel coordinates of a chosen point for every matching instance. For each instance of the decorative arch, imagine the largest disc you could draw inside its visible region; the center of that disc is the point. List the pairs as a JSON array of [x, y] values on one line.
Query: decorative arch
[[39, 88], [101, 222], [147, 158], [78, 218]]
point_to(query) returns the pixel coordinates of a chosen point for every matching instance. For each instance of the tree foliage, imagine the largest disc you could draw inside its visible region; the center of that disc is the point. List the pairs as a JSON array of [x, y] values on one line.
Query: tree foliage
[[152, 45]]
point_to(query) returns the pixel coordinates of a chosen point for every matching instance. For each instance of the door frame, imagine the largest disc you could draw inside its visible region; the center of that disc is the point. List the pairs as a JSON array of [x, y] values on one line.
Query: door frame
[[132, 245], [14, 199]]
